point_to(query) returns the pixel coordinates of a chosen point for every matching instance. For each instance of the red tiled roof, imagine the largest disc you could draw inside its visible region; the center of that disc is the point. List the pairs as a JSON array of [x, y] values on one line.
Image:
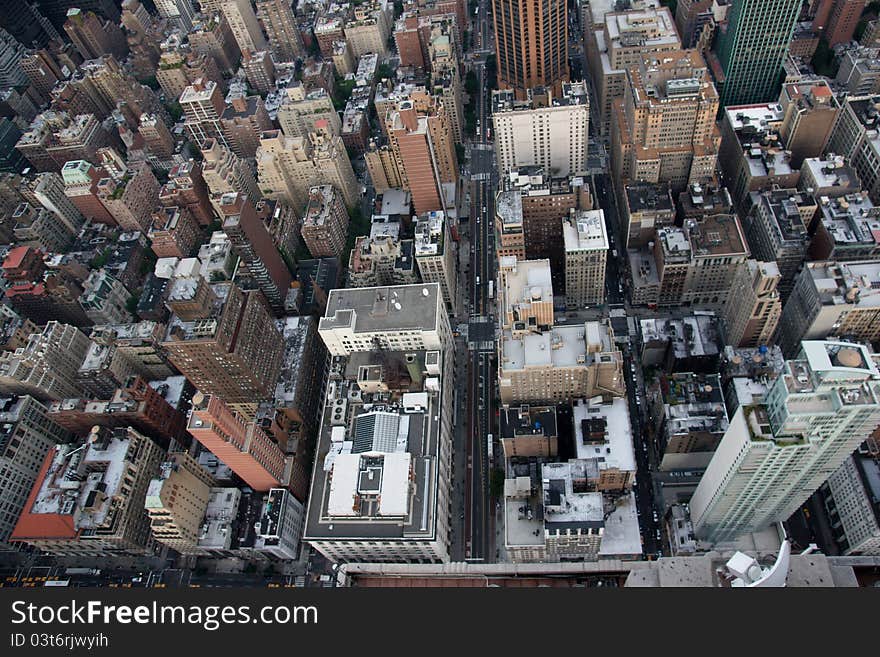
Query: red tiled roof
[[42, 525], [15, 257], [35, 289]]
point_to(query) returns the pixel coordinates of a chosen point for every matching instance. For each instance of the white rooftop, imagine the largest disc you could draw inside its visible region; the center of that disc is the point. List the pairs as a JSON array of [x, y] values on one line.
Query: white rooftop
[[354, 474], [618, 451], [819, 354], [587, 233], [562, 346], [529, 280], [621, 535]]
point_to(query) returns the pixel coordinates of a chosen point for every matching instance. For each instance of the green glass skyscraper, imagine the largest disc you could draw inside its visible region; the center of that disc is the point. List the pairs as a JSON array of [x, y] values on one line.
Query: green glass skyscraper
[[753, 49]]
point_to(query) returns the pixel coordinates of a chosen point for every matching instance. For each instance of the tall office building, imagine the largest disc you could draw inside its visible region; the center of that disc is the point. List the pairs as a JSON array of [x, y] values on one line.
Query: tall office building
[[186, 188], [753, 47], [393, 343], [422, 141], [88, 499], [243, 23], [810, 110], [56, 10], [531, 43], [212, 37], [837, 19], [42, 70], [11, 54], [225, 172], [179, 11], [279, 23], [243, 446], [663, 129], [753, 314], [545, 130], [50, 192], [46, 367], [24, 21], [619, 42], [776, 454], [132, 199], [776, 227], [253, 244], [692, 17], [176, 501], [223, 340], [586, 254], [435, 256], [202, 105], [301, 109], [852, 499], [289, 166], [325, 222], [26, 436], [94, 37], [832, 299], [854, 137]]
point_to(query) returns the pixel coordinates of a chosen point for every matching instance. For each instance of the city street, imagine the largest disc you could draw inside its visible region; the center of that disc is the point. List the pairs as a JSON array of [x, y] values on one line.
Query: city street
[[481, 326]]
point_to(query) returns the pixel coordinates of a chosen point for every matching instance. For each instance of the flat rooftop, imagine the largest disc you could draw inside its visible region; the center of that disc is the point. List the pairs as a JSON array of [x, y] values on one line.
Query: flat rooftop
[[84, 483], [608, 431], [851, 220], [395, 202], [528, 281], [377, 459], [700, 200], [696, 335], [755, 119], [585, 231], [508, 207], [561, 346], [641, 197], [641, 27], [621, 536], [717, 235], [643, 268], [393, 308], [831, 172], [784, 206], [525, 420], [856, 283]]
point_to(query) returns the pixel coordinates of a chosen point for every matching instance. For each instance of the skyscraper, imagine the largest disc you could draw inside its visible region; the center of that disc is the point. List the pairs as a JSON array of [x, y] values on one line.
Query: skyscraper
[[176, 502], [89, 498], [776, 454], [223, 340], [663, 129], [253, 244], [586, 252], [529, 132], [179, 11], [26, 434], [243, 23], [241, 445], [531, 43], [281, 29], [753, 47], [24, 21], [94, 37]]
